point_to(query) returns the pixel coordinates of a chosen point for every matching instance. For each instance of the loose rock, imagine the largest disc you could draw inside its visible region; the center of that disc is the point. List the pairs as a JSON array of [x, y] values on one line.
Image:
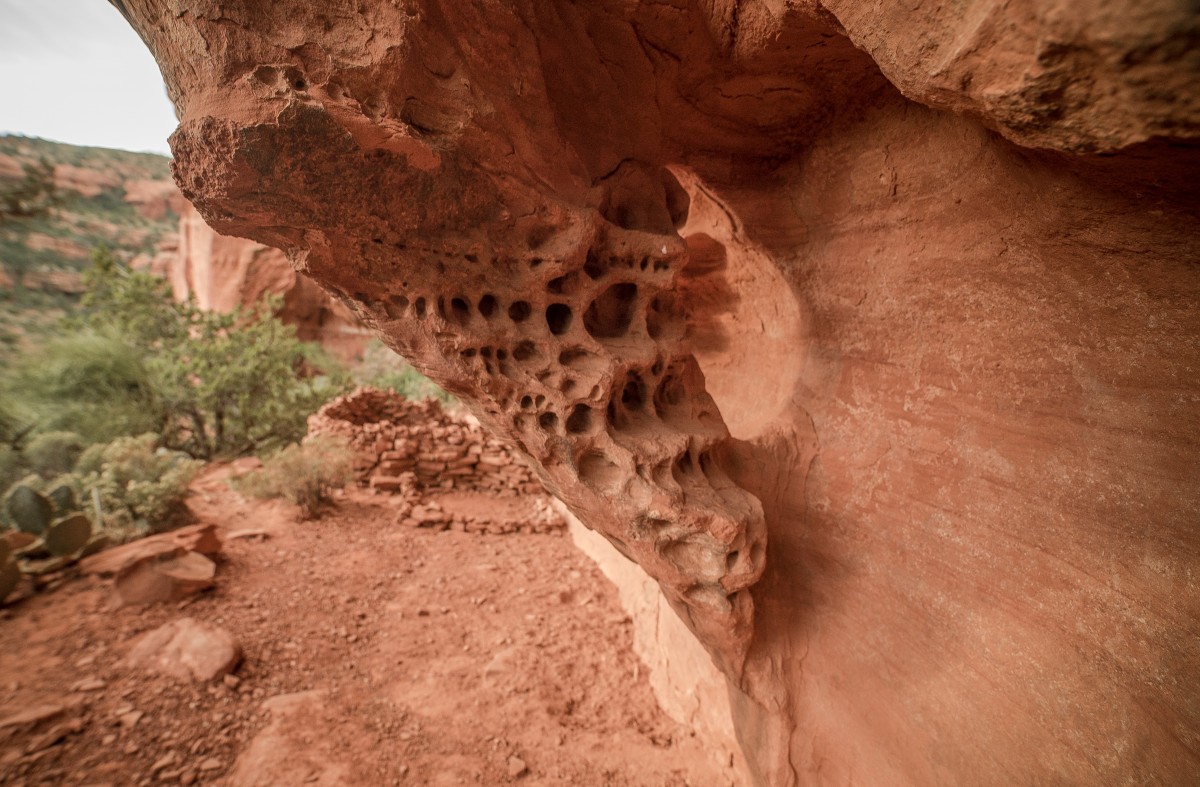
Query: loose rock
[[172, 579], [31, 717], [187, 649]]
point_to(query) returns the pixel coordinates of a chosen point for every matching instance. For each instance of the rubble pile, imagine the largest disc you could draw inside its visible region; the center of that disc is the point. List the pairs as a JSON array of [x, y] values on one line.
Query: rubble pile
[[533, 514], [418, 449]]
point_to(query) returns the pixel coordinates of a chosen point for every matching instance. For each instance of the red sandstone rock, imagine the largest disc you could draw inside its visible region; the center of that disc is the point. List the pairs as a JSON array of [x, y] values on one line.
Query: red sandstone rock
[[10, 168], [1066, 74], [719, 280], [87, 182], [31, 716], [188, 650], [63, 247], [201, 538], [154, 199], [122, 558], [57, 280], [416, 449], [170, 577], [166, 256], [409, 447], [223, 272]]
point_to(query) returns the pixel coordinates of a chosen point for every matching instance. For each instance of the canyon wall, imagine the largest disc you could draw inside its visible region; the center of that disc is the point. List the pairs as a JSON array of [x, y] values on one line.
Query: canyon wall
[[223, 272], [870, 333]]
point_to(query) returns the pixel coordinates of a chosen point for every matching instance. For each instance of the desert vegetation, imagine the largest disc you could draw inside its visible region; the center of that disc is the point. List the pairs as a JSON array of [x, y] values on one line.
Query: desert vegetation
[[107, 419]]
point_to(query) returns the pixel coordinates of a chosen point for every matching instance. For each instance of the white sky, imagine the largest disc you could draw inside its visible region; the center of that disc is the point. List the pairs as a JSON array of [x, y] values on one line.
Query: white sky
[[74, 71]]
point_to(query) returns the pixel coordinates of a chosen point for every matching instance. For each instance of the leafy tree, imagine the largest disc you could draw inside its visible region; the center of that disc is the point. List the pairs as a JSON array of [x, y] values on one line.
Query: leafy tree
[[136, 306], [236, 385], [219, 384]]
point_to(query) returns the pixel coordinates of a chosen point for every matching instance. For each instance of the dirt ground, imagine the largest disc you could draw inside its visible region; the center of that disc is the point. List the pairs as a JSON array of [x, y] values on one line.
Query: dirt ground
[[375, 654]]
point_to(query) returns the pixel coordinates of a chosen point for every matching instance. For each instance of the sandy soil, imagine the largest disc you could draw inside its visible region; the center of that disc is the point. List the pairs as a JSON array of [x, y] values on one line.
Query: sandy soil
[[374, 655]]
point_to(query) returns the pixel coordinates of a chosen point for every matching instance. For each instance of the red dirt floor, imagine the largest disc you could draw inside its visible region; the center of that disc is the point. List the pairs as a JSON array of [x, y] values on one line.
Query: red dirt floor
[[375, 654]]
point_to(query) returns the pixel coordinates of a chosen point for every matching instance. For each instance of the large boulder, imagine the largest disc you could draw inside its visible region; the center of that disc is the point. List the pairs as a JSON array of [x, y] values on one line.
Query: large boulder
[[823, 313]]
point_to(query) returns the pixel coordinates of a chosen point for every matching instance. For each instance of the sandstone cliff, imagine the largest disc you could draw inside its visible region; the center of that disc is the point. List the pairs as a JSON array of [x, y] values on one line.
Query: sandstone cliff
[[869, 331], [223, 272]]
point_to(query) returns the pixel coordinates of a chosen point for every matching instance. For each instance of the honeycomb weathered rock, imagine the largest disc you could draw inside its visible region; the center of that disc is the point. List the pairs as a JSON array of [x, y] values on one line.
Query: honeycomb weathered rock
[[901, 415]]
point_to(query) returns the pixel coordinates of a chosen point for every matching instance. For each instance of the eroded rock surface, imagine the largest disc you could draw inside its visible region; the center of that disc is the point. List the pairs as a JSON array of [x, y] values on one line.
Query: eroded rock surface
[[901, 415]]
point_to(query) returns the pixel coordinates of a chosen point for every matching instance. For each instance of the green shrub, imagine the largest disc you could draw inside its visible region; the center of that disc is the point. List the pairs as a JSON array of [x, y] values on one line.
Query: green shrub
[[222, 384], [303, 474], [9, 424], [93, 385], [34, 195], [91, 459], [53, 453], [381, 367], [141, 488], [134, 361], [126, 488]]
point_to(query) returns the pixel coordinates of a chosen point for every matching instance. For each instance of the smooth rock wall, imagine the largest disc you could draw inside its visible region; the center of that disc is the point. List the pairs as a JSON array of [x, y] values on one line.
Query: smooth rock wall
[[687, 686]]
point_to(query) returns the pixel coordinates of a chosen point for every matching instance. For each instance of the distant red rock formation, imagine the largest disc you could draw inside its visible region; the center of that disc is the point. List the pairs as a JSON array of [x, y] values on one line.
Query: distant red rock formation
[[84, 181], [222, 272], [154, 199]]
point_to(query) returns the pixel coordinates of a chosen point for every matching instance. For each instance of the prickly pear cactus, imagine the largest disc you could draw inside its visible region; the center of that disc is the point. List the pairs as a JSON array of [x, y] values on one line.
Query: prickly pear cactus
[[29, 510], [68, 535], [98, 544], [63, 498]]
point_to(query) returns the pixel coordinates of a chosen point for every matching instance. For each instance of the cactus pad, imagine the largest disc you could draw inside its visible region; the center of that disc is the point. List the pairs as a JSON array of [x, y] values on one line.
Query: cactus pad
[[29, 510], [63, 498], [98, 544], [68, 535]]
